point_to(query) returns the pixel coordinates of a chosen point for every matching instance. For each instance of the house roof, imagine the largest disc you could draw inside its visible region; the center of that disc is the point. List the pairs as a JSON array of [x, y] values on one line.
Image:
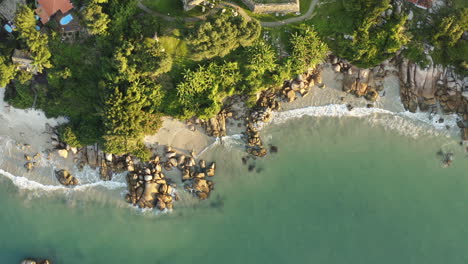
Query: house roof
[[47, 8], [422, 3], [8, 8]]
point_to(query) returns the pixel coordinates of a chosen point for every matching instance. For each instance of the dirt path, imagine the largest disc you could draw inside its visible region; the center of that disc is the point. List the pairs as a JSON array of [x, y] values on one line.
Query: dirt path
[[241, 12]]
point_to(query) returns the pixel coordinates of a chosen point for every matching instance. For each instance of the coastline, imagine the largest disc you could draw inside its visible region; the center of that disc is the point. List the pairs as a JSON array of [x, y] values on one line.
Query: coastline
[[186, 137]]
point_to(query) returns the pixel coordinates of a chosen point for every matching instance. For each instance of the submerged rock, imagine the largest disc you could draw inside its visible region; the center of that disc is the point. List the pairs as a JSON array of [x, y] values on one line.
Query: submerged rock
[[28, 261], [273, 149], [65, 178]]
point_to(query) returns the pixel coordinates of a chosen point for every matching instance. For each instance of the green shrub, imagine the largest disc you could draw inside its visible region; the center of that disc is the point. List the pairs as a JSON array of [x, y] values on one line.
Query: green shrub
[[202, 91], [219, 35], [67, 135]]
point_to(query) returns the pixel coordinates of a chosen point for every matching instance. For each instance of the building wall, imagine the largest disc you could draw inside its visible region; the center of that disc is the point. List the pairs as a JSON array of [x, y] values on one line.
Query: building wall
[[291, 7]]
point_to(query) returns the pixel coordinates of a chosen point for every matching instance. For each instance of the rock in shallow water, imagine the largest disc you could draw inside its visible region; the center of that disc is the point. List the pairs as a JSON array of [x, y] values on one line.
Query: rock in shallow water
[[65, 178]]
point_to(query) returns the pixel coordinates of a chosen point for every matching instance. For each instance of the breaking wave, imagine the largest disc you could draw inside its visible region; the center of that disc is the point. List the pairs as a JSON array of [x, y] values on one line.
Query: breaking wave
[[405, 123], [27, 184]]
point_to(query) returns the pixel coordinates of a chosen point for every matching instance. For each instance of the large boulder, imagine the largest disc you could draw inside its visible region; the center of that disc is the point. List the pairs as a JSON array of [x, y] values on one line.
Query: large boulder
[[28, 261], [201, 185], [291, 95], [63, 153], [465, 133], [210, 172], [65, 178]]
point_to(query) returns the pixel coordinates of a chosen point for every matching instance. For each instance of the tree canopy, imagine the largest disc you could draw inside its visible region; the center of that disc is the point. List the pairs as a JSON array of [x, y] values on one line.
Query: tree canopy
[[202, 90], [308, 50], [144, 58], [7, 70], [95, 19], [450, 28], [36, 42], [219, 35], [260, 64], [128, 117]]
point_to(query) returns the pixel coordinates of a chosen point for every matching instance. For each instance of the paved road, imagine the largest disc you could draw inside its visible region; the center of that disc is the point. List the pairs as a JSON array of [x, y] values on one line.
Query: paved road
[[241, 11]]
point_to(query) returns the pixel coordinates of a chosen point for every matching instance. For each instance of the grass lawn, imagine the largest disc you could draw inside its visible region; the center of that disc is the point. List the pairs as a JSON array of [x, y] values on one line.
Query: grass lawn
[[331, 18], [165, 6]]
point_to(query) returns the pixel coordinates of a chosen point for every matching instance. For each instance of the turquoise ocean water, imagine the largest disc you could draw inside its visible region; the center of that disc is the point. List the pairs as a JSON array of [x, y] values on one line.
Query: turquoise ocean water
[[338, 191]]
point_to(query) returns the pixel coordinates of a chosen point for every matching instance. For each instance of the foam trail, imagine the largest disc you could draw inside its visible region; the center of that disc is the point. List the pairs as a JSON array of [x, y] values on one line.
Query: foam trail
[[26, 184], [228, 141], [404, 122], [333, 110]]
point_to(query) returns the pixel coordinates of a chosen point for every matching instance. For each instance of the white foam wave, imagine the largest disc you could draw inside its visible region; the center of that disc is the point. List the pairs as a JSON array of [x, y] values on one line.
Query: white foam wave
[[227, 141], [27, 184], [406, 123]]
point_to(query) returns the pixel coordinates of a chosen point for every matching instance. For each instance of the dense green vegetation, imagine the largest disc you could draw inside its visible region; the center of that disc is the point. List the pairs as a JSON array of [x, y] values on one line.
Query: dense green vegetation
[[202, 91], [356, 30], [218, 36], [7, 69], [447, 38], [36, 42], [260, 65], [96, 21]]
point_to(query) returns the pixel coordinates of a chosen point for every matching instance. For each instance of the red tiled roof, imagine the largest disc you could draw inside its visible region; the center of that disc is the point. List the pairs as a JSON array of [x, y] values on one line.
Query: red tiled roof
[[47, 8], [423, 3]]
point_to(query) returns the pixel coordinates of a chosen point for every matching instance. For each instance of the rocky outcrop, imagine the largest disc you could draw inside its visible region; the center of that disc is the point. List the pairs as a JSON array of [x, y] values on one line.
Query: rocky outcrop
[[148, 187], [270, 100], [216, 126], [65, 178], [434, 88], [33, 261], [424, 88], [365, 83], [302, 85]]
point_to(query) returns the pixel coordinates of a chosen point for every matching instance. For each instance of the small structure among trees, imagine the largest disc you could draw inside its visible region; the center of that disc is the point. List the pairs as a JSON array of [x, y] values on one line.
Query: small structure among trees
[[8, 8], [47, 8], [24, 61], [422, 3]]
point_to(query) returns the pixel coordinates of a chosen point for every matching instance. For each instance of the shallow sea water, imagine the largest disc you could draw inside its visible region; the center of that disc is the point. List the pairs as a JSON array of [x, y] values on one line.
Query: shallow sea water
[[340, 190]]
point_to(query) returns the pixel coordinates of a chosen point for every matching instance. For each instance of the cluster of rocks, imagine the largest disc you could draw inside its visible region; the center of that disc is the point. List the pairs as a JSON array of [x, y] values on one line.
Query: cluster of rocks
[[94, 157], [365, 83], [432, 88], [91, 155], [216, 126], [254, 142], [262, 112], [195, 176], [270, 100], [148, 186], [65, 178], [33, 261], [31, 161], [302, 85]]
